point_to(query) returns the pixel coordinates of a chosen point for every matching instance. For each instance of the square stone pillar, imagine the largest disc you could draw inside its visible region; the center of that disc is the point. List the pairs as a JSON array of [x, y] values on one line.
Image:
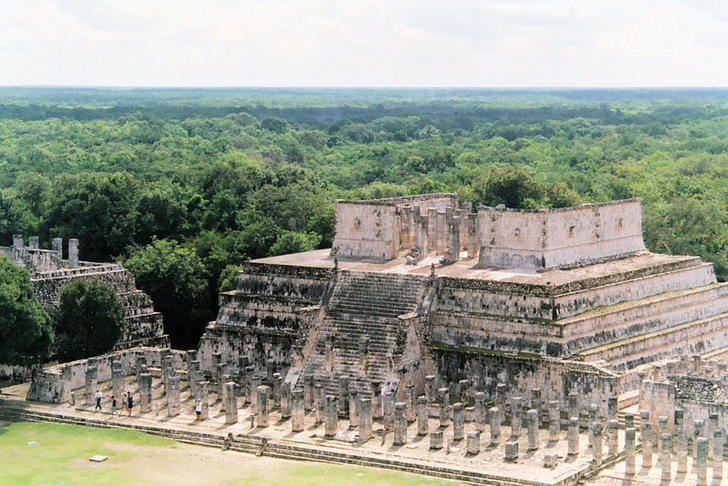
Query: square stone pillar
[[203, 392], [573, 402], [194, 377], [612, 409], [117, 380], [473, 443], [430, 388], [376, 400], [263, 396], [18, 241], [33, 242], [353, 410], [91, 381], [701, 459], [400, 423], [698, 431], [308, 393], [436, 440], [574, 437], [285, 404], [666, 458], [411, 398], [145, 392], [596, 434], [501, 389], [444, 396], [388, 409], [532, 419], [331, 418], [57, 247], [319, 402], [458, 421], [480, 412], [73, 253], [511, 451], [365, 419], [190, 357], [612, 437], [516, 409], [554, 421], [172, 392], [718, 444], [298, 410], [494, 417], [423, 415], [343, 401], [629, 451]]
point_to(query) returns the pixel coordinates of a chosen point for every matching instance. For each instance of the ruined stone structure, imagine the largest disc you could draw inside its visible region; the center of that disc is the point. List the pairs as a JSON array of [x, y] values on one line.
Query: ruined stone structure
[[532, 347], [564, 300], [49, 272]]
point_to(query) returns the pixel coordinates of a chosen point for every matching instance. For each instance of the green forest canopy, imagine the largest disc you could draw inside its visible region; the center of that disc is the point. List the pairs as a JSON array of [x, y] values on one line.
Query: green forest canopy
[[232, 174]]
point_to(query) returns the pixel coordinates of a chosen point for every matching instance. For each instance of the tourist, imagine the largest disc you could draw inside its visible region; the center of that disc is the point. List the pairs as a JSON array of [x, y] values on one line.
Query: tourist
[[113, 406], [123, 402], [97, 396], [198, 410], [130, 403]]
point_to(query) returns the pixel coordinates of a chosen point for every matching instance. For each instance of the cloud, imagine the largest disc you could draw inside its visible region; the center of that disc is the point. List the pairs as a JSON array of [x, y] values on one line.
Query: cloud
[[364, 43]]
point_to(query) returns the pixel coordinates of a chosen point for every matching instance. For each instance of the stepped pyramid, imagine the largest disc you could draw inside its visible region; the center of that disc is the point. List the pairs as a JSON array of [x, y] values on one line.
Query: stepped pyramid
[[557, 300]]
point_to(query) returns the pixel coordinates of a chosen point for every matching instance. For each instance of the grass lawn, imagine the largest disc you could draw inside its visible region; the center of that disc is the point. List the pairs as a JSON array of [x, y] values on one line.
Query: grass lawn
[[61, 458]]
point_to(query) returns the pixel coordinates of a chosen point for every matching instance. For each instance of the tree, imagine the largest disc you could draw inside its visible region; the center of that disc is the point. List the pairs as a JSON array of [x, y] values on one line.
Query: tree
[[25, 328], [89, 321], [293, 242], [174, 277]]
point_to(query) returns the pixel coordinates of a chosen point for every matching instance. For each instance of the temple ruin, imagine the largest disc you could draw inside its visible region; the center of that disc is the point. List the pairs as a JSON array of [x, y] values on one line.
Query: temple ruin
[[489, 345]]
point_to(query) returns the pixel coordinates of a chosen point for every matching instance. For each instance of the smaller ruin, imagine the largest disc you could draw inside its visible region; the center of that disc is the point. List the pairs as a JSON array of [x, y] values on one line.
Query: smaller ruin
[[50, 272]]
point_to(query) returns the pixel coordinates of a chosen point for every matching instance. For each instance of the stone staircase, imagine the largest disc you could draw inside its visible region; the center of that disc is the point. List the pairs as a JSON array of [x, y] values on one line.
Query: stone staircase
[[363, 312]]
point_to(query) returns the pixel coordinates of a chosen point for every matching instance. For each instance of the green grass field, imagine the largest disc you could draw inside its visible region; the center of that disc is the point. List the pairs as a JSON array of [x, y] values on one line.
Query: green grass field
[[61, 458]]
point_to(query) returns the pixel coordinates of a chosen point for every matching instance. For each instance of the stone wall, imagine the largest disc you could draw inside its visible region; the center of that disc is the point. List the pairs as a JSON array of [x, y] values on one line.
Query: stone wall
[[552, 238]]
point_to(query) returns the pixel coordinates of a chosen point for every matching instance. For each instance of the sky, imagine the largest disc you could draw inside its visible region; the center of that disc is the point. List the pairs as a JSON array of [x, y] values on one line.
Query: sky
[[374, 43]]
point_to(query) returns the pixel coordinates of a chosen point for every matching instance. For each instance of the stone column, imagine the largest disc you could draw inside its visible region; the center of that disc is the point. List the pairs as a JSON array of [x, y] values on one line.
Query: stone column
[[629, 448], [574, 436], [298, 410], [411, 398], [172, 393], [573, 404], [423, 412], [308, 392], [285, 404], [365, 419], [494, 418], [262, 406], [536, 401], [711, 428], [583, 420], [554, 421], [532, 419], [473, 443], [388, 409], [511, 451], [612, 410], [91, 381], [231, 403], [253, 384], [596, 432], [500, 396], [436, 440], [516, 409], [331, 416], [718, 442], [665, 458], [628, 420], [464, 390], [701, 458], [34, 242], [220, 378], [698, 431], [203, 392], [353, 410], [343, 401], [277, 382], [681, 445], [57, 247], [73, 252], [18, 241], [320, 397], [141, 359], [145, 392], [612, 437], [661, 429], [444, 396], [190, 357], [430, 388], [400, 423], [376, 400], [117, 380], [458, 421], [646, 438], [480, 411], [193, 376]]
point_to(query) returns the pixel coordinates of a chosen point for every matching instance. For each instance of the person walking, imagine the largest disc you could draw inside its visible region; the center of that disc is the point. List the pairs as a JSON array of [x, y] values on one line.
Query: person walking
[[198, 410], [130, 403], [97, 396], [123, 402], [113, 406]]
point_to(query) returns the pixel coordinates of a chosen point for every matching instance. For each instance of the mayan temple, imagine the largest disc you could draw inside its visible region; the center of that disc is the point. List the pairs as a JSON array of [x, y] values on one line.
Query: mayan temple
[[415, 287], [492, 346]]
